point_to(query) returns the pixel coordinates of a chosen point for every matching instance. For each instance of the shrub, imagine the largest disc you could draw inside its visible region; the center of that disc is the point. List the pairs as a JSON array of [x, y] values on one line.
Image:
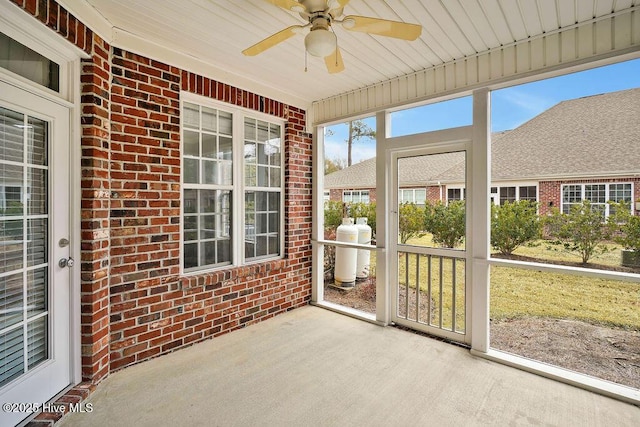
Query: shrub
[[365, 210], [446, 222], [626, 226], [333, 212], [513, 225], [410, 222], [582, 230]]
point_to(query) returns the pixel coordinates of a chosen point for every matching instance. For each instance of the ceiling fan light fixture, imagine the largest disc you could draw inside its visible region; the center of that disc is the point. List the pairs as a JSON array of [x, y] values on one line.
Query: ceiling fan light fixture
[[320, 42]]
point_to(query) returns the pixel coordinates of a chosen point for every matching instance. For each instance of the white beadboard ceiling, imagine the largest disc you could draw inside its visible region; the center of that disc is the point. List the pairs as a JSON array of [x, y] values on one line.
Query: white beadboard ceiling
[[210, 34]]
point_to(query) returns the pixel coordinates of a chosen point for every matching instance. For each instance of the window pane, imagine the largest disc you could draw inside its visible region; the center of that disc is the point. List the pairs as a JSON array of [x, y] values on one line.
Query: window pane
[[37, 140], [191, 143], [209, 146], [190, 201], [263, 131], [620, 192], [224, 148], [37, 191], [250, 129], [528, 193], [191, 171], [507, 194], [250, 152], [225, 122], [12, 124], [263, 176], [595, 193], [210, 172], [191, 115], [209, 119], [274, 177], [571, 193], [29, 64], [190, 251]]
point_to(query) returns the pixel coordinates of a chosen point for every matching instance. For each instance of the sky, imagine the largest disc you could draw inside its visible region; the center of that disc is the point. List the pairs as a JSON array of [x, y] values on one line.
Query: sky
[[510, 107]]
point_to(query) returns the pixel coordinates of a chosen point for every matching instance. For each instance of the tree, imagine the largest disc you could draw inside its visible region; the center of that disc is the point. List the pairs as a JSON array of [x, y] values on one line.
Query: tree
[[582, 230], [333, 165], [514, 224], [358, 129], [626, 226], [446, 222], [410, 222]]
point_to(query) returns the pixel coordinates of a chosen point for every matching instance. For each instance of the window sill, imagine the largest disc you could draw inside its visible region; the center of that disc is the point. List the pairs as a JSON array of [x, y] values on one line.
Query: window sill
[[198, 279]]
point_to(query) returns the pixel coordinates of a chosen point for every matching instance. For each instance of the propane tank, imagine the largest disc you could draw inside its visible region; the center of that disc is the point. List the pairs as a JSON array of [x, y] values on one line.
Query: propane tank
[[346, 258], [364, 255]]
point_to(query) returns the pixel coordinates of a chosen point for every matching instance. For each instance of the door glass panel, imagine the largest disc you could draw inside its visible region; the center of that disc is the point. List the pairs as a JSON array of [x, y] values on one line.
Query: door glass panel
[[435, 222], [24, 223]]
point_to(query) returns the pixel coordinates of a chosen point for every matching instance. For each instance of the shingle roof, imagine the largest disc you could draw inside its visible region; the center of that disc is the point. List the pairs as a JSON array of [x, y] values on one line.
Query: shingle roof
[[413, 171], [593, 136]]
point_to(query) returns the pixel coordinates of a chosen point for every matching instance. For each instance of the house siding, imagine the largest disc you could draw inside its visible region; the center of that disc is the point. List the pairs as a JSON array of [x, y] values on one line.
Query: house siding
[[135, 304]]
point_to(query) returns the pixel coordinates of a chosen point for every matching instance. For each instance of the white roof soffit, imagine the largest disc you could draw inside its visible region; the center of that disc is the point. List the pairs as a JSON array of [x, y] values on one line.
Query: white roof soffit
[[606, 39], [121, 38]]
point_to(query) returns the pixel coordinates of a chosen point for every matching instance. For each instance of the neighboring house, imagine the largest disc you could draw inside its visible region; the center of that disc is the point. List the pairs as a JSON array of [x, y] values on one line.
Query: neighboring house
[[586, 148]]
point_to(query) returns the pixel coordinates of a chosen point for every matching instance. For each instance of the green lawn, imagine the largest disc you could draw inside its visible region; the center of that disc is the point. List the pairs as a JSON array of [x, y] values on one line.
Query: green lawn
[[520, 292]]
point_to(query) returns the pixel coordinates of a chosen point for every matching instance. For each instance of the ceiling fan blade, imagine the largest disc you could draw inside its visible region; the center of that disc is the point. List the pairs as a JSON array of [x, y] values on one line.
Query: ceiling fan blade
[[382, 27], [292, 5], [272, 40], [337, 4], [334, 62]]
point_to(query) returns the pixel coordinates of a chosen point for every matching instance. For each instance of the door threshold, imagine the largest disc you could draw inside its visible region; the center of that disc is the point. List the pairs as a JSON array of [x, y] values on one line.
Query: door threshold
[[348, 311]]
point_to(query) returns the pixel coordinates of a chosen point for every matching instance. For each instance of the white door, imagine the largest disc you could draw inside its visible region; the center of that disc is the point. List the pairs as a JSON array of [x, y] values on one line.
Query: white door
[[428, 274], [34, 237]]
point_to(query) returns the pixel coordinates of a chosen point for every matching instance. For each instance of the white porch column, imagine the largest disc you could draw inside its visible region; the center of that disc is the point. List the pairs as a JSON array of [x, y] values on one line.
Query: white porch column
[[480, 220]]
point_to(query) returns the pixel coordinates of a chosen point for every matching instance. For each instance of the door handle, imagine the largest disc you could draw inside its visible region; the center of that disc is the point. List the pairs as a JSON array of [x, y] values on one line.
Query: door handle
[[66, 262]]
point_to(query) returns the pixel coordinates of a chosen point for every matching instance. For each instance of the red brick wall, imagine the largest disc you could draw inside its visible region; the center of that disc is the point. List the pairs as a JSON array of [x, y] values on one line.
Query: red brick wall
[[135, 304], [434, 193], [59, 20], [153, 309], [96, 193]]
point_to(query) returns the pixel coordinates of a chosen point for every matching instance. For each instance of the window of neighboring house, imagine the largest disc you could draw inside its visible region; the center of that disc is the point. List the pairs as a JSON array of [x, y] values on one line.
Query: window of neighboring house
[[455, 194], [355, 196], [514, 193], [528, 193], [413, 195], [326, 196], [214, 145], [507, 194], [598, 194]]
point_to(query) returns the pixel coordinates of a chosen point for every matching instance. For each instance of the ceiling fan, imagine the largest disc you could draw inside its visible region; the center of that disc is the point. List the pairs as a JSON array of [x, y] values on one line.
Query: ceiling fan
[[321, 41]]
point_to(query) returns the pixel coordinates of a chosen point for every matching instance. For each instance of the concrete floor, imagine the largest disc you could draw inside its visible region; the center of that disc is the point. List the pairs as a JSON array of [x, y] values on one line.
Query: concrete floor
[[313, 367]]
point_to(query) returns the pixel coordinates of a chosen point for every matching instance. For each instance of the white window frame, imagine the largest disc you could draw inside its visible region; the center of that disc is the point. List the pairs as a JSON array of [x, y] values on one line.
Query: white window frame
[[238, 187], [463, 193], [360, 194], [495, 196], [607, 186], [413, 195]]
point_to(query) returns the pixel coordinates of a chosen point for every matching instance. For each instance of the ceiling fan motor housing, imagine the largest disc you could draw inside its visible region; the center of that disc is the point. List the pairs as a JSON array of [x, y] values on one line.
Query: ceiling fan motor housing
[[320, 41]]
